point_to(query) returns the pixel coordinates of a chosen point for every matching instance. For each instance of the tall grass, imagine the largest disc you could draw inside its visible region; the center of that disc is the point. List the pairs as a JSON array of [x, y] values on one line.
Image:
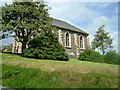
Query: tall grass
[[21, 77]]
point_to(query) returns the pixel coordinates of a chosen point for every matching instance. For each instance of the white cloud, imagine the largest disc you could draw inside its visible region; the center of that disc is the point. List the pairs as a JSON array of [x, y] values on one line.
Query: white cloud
[[6, 0], [91, 28], [83, 0], [94, 25], [72, 12], [100, 5]]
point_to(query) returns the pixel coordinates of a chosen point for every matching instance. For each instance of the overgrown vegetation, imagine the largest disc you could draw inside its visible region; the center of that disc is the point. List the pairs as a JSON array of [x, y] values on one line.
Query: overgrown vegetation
[[20, 77], [90, 55], [110, 57], [46, 46]]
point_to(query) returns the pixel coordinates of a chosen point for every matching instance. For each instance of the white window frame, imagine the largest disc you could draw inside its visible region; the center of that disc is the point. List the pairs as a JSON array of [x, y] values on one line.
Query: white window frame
[[68, 40], [83, 47]]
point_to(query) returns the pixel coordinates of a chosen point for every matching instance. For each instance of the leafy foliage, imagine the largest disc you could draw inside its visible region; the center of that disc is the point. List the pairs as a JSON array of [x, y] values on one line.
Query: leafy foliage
[[111, 57], [46, 46], [90, 55], [102, 41], [25, 19]]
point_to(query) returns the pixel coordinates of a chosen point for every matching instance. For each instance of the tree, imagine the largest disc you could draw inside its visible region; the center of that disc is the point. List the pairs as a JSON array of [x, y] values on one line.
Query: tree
[[46, 46], [102, 40], [111, 57], [25, 19]]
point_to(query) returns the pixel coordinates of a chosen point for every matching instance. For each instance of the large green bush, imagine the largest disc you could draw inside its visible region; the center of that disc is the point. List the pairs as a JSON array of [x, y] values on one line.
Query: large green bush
[[46, 46], [111, 57], [89, 55]]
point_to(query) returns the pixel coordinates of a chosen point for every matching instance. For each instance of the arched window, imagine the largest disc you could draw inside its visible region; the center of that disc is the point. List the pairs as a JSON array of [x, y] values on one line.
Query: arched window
[[81, 42], [67, 40]]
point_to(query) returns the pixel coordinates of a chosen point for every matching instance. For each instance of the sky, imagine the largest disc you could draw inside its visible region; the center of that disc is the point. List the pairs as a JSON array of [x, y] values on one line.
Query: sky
[[87, 15]]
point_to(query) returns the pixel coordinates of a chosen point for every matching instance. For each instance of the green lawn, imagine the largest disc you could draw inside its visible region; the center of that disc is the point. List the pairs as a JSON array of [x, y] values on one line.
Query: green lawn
[[37, 73]]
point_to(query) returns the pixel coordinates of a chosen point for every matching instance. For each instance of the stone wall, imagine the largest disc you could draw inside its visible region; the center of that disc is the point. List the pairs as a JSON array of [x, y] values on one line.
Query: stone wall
[[17, 46], [74, 50]]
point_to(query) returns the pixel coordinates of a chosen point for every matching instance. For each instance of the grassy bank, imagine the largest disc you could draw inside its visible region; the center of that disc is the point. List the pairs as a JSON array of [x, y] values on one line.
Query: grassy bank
[[19, 77], [20, 72]]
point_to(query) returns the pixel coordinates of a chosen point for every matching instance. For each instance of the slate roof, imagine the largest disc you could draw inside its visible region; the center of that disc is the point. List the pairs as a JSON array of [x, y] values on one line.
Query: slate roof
[[67, 26]]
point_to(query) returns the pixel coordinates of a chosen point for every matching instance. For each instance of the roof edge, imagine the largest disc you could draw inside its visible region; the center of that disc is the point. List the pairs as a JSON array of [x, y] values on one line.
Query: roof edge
[[72, 30], [69, 24]]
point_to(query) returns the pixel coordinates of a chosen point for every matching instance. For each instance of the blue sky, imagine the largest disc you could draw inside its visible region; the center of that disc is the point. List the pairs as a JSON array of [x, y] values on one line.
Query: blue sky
[[87, 16]]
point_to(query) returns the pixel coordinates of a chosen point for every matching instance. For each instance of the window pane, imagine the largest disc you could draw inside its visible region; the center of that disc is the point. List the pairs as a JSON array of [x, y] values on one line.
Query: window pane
[[67, 39], [81, 42]]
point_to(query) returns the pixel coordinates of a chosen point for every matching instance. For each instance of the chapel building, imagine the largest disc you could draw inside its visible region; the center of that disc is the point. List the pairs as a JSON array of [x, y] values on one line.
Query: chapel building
[[73, 39]]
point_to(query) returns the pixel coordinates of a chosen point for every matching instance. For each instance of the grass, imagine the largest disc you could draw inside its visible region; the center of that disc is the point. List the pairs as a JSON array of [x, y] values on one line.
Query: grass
[[21, 72]]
